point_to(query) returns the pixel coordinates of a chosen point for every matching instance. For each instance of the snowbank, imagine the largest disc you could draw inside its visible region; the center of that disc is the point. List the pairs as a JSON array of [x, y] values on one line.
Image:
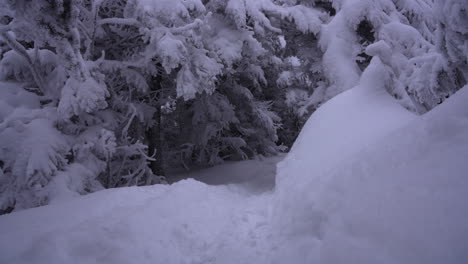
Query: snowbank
[[188, 222], [362, 184], [336, 132], [403, 200]]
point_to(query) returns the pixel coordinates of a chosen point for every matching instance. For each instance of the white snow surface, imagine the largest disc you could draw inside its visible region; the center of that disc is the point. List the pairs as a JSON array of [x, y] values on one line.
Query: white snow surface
[[187, 222], [366, 182], [249, 176]]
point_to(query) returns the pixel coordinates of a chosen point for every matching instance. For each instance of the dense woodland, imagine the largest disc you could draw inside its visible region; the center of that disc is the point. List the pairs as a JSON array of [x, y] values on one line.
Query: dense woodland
[[110, 93]]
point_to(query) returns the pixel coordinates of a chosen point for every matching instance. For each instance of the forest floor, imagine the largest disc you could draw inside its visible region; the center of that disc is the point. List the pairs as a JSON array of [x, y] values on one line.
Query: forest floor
[[256, 176]]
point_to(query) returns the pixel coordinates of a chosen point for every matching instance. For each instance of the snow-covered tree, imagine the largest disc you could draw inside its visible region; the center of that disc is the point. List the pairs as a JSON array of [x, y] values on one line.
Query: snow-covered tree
[[401, 33], [452, 40], [247, 37], [163, 59], [61, 140]]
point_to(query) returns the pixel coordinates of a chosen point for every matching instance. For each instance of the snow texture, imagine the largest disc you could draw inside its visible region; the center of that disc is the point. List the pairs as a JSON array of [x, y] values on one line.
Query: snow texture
[[366, 182], [363, 184]]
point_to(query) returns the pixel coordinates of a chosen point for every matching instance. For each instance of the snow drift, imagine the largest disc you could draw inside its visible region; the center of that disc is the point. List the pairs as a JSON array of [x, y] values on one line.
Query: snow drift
[[363, 184], [335, 133], [366, 182], [188, 222]]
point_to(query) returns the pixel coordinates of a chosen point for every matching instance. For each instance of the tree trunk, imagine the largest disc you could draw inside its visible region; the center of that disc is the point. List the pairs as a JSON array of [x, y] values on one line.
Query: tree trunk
[[155, 134], [155, 144]]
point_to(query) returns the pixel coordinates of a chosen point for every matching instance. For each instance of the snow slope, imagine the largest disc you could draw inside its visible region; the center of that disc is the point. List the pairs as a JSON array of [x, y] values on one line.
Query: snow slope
[[383, 187], [403, 200], [377, 188], [335, 133]]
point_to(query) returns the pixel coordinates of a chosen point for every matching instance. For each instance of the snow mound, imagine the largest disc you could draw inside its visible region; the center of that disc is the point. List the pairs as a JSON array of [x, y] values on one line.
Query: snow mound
[[403, 200], [362, 184], [336, 132], [188, 222]]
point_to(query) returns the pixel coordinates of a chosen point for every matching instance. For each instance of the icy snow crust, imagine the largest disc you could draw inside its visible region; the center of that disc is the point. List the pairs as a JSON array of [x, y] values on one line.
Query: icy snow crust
[[366, 182]]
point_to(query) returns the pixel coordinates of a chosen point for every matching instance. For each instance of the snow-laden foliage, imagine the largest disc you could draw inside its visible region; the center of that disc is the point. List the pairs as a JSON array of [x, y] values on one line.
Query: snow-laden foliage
[[452, 40], [52, 133], [35, 154], [452, 32], [402, 34]]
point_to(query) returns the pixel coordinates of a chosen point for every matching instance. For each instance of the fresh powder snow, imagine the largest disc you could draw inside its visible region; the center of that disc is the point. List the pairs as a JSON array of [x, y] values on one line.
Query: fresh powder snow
[[234, 131], [377, 189]]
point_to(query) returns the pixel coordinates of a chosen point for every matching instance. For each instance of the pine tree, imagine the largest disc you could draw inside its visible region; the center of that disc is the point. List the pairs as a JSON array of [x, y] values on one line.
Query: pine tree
[[64, 123], [452, 41]]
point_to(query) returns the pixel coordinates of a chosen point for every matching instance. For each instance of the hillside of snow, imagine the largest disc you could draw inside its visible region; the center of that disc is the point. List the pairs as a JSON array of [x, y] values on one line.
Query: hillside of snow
[[366, 182], [383, 186]]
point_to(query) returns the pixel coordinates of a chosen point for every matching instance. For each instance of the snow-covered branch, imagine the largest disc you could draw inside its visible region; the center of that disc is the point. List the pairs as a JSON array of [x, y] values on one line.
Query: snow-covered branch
[[193, 25], [119, 21], [32, 64]]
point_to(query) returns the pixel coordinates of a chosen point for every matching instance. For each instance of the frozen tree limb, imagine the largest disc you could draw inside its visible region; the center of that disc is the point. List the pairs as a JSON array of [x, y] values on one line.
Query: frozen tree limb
[[32, 64]]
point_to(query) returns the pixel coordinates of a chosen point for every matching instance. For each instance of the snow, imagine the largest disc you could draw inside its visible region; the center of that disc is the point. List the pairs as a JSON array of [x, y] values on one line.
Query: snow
[[252, 176], [344, 125], [339, 45], [282, 41], [187, 222], [365, 182], [293, 61], [169, 9], [368, 182], [9, 97], [80, 96], [237, 9]]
